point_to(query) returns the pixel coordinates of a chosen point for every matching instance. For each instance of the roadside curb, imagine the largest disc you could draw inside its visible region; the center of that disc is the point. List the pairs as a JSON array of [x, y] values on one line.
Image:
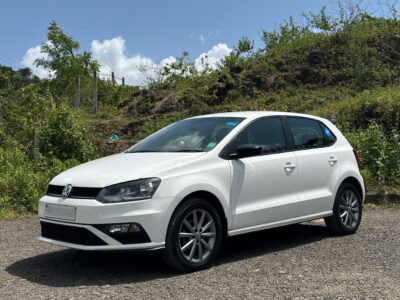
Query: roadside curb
[[382, 198]]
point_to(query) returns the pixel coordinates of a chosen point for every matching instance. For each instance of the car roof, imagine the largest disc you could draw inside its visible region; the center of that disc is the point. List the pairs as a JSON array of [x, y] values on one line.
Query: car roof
[[256, 114]]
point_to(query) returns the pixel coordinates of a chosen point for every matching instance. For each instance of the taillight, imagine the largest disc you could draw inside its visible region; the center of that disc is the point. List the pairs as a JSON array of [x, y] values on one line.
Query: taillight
[[357, 156]]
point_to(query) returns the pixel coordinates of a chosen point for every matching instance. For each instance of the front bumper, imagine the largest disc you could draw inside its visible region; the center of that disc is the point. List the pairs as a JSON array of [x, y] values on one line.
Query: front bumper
[[151, 215], [105, 242]]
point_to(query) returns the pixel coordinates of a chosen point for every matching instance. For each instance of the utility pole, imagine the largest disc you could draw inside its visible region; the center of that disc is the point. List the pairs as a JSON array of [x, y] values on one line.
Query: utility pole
[[95, 91], [112, 78], [77, 99], [123, 81]]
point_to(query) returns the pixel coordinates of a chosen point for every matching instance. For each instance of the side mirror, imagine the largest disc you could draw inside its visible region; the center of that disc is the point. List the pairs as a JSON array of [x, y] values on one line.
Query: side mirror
[[246, 151]]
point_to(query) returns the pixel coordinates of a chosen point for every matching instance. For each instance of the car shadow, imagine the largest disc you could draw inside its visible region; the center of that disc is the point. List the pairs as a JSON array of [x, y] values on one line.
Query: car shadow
[[72, 268]]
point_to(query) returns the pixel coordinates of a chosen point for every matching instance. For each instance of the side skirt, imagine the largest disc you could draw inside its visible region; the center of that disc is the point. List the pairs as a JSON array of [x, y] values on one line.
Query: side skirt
[[279, 223]]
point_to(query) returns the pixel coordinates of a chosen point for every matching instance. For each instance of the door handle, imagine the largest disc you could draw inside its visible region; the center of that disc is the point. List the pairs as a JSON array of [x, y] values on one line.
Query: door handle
[[332, 160], [289, 167]]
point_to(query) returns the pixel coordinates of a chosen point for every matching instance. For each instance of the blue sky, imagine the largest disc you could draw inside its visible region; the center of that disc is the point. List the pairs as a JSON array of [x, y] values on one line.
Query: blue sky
[[150, 30]]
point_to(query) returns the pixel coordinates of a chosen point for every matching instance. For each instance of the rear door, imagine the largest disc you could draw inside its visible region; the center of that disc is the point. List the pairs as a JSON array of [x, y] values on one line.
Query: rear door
[[264, 187], [318, 164]]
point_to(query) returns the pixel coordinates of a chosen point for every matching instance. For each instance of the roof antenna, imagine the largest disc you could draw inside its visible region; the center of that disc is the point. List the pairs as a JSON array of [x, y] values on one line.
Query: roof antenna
[[333, 119]]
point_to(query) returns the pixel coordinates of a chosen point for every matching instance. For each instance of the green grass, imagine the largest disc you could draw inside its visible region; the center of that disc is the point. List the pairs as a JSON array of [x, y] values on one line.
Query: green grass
[[8, 214], [372, 206]]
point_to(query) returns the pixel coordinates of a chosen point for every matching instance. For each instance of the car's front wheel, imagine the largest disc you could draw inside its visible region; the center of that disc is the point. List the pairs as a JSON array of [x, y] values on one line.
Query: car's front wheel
[[194, 236], [347, 211]]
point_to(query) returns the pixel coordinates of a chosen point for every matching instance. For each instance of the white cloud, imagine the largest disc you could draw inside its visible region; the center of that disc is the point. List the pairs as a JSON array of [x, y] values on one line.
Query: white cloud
[[167, 61], [202, 39], [29, 58], [212, 57], [112, 57]]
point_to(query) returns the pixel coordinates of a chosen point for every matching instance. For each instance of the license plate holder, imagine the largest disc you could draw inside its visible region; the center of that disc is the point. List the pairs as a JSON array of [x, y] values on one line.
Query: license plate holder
[[62, 212]]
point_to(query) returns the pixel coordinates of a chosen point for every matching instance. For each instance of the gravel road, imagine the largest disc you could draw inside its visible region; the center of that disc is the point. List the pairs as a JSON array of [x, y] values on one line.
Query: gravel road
[[300, 261]]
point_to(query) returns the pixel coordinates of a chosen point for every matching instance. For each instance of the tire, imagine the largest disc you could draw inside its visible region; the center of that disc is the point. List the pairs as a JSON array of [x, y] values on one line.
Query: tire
[[347, 211], [183, 234]]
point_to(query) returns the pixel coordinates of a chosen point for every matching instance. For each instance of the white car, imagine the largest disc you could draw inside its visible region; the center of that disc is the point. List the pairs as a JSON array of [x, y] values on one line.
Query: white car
[[188, 186]]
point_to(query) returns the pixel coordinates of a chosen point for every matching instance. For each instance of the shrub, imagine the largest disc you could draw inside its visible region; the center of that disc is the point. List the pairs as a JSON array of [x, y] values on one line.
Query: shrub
[[20, 185], [65, 135], [22, 182], [379, 155]]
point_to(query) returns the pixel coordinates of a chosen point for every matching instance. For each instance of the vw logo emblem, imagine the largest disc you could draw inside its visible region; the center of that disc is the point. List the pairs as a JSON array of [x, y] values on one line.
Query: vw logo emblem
[[66, 191]]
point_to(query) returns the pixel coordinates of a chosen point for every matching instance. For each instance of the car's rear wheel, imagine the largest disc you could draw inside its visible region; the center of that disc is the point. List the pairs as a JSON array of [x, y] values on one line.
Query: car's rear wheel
[[347, 211], [194, 236]]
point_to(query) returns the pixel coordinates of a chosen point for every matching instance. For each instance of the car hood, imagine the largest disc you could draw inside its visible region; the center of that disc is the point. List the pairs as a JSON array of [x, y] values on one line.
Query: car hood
[[123, 167]]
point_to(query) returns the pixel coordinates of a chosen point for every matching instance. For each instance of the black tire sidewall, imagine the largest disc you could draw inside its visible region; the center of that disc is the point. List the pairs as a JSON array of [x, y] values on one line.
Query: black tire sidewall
[[172, 240], [343, 188]]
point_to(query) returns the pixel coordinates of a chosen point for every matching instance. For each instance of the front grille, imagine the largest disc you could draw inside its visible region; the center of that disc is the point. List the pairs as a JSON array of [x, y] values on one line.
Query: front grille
[[76, 192], [54, 190], [70, 234]]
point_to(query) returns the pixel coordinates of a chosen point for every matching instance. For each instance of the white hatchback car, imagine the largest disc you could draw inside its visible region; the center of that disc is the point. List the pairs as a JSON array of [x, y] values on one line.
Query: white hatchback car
[[193, 183]]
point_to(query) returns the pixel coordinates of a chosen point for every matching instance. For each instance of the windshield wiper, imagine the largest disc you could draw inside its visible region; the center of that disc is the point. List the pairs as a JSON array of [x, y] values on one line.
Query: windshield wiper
[[189, 150], [142, 151], [183, 150]]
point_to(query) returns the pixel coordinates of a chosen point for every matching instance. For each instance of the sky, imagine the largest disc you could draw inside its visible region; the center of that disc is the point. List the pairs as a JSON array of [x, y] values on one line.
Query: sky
[[124, 35]]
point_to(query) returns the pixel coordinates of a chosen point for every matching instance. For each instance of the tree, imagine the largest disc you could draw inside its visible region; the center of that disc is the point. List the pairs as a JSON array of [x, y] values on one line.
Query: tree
[[10, 79], [244, 45], [287, 33], [179, 69], [63, 60], [322, 21]]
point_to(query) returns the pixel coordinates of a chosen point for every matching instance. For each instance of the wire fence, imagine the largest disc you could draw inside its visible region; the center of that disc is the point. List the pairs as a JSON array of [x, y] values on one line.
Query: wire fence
[[112, 78]]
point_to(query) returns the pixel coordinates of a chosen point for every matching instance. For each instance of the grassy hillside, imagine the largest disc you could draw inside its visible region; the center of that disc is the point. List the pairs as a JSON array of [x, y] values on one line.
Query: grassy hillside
[[301, 70], [348, 66], [350, 70]]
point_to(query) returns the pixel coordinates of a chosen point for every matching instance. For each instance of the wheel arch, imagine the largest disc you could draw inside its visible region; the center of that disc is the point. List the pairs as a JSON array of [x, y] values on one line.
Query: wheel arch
[[212, 199], [356, 183]]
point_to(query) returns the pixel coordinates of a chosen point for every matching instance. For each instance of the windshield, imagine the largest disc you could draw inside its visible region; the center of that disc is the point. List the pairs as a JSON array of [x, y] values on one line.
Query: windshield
[[191, 135]]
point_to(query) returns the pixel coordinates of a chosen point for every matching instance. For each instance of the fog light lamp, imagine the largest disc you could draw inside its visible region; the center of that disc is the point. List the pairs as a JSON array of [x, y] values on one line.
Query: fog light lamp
[[123, 228]]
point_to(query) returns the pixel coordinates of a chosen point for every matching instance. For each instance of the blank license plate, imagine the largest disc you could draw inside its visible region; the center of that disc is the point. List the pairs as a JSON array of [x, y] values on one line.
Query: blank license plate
[[62, 212]]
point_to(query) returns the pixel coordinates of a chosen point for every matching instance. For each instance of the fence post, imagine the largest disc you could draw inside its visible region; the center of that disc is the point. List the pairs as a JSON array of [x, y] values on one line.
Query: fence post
[[36, 145], [77, 99], [95, 91], [112, 78], [2, 108]]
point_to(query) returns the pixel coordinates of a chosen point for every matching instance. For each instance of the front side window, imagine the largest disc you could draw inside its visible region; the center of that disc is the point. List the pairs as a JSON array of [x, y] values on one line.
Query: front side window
[[307, 133], [266, 132], [191, 135]]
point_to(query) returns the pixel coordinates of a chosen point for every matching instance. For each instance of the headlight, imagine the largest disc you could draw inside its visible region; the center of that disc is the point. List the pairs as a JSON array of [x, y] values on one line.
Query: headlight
[[129, 191]]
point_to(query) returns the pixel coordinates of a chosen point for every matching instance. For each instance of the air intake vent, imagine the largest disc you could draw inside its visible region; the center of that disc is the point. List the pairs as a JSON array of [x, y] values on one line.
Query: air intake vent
[[70, 234]]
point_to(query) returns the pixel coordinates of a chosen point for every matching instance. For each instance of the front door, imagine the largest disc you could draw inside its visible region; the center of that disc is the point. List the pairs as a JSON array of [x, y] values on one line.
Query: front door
[[264, 187]]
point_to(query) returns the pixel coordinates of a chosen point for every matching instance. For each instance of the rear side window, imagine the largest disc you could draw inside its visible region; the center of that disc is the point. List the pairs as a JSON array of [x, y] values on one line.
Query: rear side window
[[265, 132], [330, 138], [307, 133]]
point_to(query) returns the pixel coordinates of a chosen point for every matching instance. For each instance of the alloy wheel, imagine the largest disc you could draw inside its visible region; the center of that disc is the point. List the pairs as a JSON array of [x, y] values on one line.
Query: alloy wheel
[[197, 236], [349, 209]]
